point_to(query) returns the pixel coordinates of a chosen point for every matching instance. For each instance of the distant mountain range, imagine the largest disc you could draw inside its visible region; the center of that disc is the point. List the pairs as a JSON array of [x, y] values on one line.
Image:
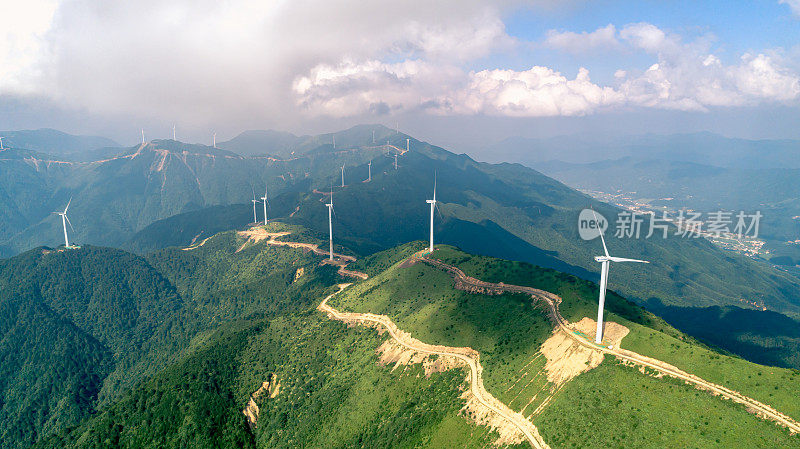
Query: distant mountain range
[[53, 142], [167, 193], [699, 148]]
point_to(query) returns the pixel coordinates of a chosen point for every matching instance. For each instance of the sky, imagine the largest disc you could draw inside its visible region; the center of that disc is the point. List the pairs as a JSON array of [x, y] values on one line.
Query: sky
[[461, 73]]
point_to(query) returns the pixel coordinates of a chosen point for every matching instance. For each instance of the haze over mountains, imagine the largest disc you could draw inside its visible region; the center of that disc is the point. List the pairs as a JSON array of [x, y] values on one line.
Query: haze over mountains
[[699, 148]]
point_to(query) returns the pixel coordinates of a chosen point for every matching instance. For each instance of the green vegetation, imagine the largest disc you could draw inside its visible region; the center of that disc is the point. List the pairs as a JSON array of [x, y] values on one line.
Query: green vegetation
[[80, 327], [332, 394], [508, 331], [615, 405]]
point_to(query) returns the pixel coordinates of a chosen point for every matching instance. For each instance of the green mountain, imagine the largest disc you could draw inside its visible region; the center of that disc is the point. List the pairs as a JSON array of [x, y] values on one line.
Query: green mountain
[[81, 327], [312, 381], [255, 142], [502, 210], [512, 212]]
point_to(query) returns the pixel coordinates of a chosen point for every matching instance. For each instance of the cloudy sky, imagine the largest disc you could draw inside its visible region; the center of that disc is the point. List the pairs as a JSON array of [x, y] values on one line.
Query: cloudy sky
[[457, 72]]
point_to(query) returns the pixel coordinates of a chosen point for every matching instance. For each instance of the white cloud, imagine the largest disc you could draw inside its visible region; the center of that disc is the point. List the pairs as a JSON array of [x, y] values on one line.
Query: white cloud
[[794, 5], [604, 38], [22, 42], [688, 77], [202, 61]]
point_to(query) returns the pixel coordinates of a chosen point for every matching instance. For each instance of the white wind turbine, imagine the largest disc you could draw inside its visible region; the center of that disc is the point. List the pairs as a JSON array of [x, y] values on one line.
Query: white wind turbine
[[605, 263], [334, 142], [254, 200], [1, 144], [369, 170], [264, 199], [433, 206], [142, 136], [214, 141], [408, 142], [342, 175], [330, 224], [395, 161], [64, 221], [173, 133]]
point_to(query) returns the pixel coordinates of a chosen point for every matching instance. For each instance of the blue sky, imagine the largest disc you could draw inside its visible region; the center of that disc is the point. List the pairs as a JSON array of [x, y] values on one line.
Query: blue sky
[[737, 27], [444, 69]]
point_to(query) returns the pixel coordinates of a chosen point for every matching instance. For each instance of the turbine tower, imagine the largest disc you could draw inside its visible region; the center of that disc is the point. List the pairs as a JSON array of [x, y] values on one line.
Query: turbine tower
[[265, 201], [433, 206], [605, 263], [334, 142], [215, 140], [342, 175], [408, 141], [369, 171], [64, 221], [1, 144], [330, 224], [142, 136], [254, 200], [173, 133], [395, 161]]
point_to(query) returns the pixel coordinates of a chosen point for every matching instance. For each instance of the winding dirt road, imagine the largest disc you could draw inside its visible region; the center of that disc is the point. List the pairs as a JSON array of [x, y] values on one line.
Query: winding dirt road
[[469, 356], [466, 282]]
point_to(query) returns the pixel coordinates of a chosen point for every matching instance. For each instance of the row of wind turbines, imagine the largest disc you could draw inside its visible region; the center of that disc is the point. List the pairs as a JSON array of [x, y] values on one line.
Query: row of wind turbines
[[604, 260]]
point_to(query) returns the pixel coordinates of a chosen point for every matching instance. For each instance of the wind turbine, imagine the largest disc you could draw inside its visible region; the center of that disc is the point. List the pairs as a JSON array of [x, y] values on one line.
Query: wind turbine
[[64, 221], [369, 171], [142, 136], [407, 143], [330, 223], [395, 161], [215, 140], [342, 175], [605, 263], [254, 200], [264, 199], [433, 206], [1, 144], [173, 133], [334, 142]]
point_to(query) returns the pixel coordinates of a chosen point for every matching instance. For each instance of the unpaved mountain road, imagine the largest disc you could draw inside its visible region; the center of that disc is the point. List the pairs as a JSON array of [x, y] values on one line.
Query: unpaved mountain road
[[256, 234], [469, 283], [471, 357], [468, 356]]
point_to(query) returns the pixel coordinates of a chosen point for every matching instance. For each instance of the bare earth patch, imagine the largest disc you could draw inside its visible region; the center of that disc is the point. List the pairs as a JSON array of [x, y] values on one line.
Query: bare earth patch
[[566, 358], [270, 388]]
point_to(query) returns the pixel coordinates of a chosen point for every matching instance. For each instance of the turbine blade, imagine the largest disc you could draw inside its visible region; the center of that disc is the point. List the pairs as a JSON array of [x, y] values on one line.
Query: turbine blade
[[622, 259], [602, 239], [70, 223], [68, 202]]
